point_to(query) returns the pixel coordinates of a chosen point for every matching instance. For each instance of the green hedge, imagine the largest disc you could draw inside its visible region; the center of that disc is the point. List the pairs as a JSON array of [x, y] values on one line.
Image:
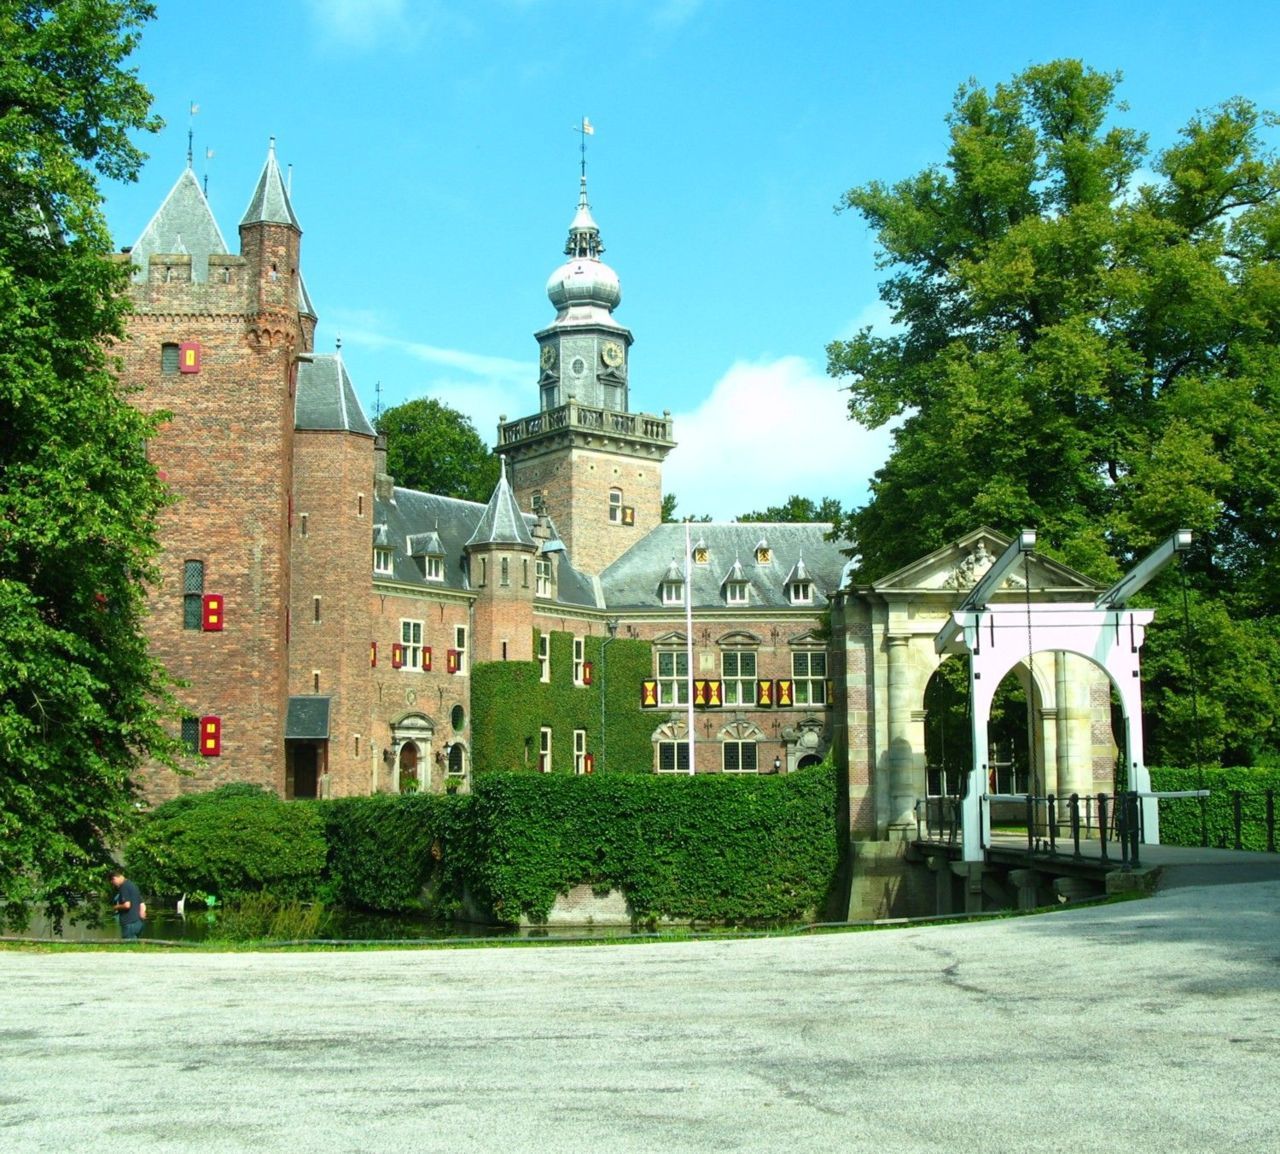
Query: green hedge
[[395, 853], [1181, 821], [231, 841], [708, 847]]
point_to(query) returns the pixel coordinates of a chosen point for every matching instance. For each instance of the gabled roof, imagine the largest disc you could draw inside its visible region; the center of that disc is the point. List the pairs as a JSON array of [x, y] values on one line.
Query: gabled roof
[[326, 399], [424, 545], [270, 201], [502, 523], [183, 223]]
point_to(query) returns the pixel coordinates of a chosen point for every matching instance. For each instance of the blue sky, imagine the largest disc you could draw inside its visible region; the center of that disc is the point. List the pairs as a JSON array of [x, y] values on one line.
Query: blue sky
[[435, 173]]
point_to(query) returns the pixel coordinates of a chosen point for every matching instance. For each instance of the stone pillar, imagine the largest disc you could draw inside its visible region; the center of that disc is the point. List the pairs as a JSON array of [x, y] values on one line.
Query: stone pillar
[[901, 753]]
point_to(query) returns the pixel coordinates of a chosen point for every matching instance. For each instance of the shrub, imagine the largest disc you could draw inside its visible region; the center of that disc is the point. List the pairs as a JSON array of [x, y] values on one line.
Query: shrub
[[264, 918], [232, 841], [1190, 821]]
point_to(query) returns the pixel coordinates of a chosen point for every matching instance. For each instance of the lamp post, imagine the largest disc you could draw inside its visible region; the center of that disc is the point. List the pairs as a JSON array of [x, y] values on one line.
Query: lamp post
[[612, 626]]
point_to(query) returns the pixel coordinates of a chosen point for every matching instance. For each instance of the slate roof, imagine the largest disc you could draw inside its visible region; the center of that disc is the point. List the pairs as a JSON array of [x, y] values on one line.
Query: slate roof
[[270, 201], [183, 223], [634, 580], [502, 523], [326, 398]]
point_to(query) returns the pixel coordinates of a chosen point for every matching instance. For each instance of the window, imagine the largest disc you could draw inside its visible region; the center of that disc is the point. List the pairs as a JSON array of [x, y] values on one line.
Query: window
[[763, 555], [192, 594], [460, 644], [701, 555], [435, 568], [739, 678], [673, 678], [542, 577], [505, 571], [382, 560], [673, 593], [579, 751], [615, 506], [544, 656], [544, 750], [577, 660], [809, 670], [191, 735], [735, 592], [537, 502], [168, 359], [315, 610], [673, 757], [359, 504], [801, 592], [739, 756], [411, 642]]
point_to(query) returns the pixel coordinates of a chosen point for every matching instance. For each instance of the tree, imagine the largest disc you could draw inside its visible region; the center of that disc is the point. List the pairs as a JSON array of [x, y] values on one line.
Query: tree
[[801, 510], [435, 449], [82, 704], [1090, 355], [669, 511]]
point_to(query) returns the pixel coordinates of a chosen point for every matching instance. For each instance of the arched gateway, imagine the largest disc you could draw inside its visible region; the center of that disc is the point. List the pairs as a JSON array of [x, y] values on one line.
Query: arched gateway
[[997, 605]]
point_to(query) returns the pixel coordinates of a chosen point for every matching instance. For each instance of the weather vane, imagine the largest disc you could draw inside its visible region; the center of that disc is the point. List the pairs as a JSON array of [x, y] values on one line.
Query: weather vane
[[584, 130]]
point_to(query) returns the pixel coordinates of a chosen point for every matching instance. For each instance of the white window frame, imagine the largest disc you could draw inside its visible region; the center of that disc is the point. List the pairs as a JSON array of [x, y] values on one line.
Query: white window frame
[[544, 657], [382, 560], [808, 688], [673, 593], [739, 688], [579, 751], [615, 506], [673, 683], [678, 749], [801, 592], [737, 592], [542, 577], [435, 568], [460, 644], [544, 749], [739, 746], [579, 660], [411, 634]]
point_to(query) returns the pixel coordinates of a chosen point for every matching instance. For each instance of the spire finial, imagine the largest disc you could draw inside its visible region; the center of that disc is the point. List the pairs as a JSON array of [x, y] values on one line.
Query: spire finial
[[584, 130], [192, 109]]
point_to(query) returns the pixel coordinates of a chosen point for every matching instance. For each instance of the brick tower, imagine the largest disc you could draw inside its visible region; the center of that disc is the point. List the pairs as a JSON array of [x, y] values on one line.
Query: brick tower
[[215, 340], [585, 459]]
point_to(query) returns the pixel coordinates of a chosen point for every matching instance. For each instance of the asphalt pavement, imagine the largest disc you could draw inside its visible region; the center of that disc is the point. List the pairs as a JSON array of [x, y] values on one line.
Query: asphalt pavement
[[1151, 1025]]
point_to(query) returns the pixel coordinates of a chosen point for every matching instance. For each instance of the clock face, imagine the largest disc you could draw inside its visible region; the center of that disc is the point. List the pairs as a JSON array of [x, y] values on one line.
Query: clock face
[[548, 356], [611, 354]]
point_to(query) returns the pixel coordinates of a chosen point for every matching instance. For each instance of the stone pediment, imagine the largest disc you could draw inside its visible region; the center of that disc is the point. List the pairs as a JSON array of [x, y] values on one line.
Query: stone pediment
[[956, 568]]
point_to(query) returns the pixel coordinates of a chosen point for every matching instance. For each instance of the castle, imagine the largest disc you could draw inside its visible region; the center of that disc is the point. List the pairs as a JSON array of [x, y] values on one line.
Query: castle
[[330, 628]]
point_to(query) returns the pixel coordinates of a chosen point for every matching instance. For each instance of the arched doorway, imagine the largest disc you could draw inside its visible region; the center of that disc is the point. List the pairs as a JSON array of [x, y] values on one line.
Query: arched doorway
[[407, 768]]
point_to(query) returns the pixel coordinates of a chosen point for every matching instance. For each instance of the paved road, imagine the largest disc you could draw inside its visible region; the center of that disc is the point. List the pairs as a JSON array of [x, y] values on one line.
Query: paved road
[[1147, 1026]]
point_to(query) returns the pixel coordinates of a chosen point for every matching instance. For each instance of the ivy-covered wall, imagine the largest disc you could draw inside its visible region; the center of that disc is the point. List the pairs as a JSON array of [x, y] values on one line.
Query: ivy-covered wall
[[510, 705], [1191, 821]]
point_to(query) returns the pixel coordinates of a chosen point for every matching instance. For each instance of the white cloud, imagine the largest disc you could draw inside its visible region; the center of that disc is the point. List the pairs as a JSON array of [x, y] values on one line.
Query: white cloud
[[360, 24], [769, 430], [877, 314], [502, 368]]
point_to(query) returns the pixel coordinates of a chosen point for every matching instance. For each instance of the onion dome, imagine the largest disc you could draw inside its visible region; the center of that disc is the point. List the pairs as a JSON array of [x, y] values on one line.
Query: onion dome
[[584, 279]]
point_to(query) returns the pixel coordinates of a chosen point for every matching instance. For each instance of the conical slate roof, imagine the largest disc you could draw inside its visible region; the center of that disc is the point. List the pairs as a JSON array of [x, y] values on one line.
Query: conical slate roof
[[184, 223], [270, 201], [502, 522], [326, 399]]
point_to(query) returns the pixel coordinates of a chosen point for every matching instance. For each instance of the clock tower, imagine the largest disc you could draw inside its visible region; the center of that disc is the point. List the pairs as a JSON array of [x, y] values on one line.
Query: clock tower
[[588, 462]]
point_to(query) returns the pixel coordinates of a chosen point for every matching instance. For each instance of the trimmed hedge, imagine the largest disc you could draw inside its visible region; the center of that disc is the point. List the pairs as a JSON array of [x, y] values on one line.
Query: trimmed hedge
[[1181, 821], [707, 847], [395, 853], [236, 840]]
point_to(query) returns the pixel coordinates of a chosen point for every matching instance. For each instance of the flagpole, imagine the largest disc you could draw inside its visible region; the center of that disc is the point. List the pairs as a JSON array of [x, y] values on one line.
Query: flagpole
[[688, 641]]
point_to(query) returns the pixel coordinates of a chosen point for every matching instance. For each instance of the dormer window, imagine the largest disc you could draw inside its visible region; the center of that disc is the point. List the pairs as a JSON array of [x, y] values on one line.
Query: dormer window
[[763, 553], [673, 593], [435, 568], [701, 554], [735, 592], [801, 592], [382, 561]]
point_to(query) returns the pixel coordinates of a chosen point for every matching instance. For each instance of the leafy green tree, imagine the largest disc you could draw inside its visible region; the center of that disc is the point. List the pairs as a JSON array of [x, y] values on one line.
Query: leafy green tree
[[799, 509], [669, 511], [1087, 344], [435, 449], [81, 702]]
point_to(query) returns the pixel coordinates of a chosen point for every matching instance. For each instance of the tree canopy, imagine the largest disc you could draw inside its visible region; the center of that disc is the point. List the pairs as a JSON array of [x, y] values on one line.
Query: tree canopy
[[435, 449], [81, 702], [1085, 343], [799, 509]]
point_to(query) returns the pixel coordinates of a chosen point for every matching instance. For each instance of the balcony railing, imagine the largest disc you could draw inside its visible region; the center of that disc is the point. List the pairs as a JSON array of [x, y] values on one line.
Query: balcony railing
[[591, 418]]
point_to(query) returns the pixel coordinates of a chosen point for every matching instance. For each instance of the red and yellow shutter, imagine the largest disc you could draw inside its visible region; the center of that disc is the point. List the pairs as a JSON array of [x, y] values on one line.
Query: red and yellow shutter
[[586, 673], [784, 693], [648, 694], [764, 693], [451, 660], [397, 655], [210, 737], [373, 654], [426, 658], [699, 694], [189, 357], [715, 699], [211, 613], [628, 514], [589, 763]]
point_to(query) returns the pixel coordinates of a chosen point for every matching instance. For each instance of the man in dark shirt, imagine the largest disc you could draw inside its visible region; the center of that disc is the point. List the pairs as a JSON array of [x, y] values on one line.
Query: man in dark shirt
[[127, 902]]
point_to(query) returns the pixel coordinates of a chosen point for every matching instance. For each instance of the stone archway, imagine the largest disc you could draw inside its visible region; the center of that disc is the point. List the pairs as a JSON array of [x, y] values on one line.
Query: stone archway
[[409, 755]]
